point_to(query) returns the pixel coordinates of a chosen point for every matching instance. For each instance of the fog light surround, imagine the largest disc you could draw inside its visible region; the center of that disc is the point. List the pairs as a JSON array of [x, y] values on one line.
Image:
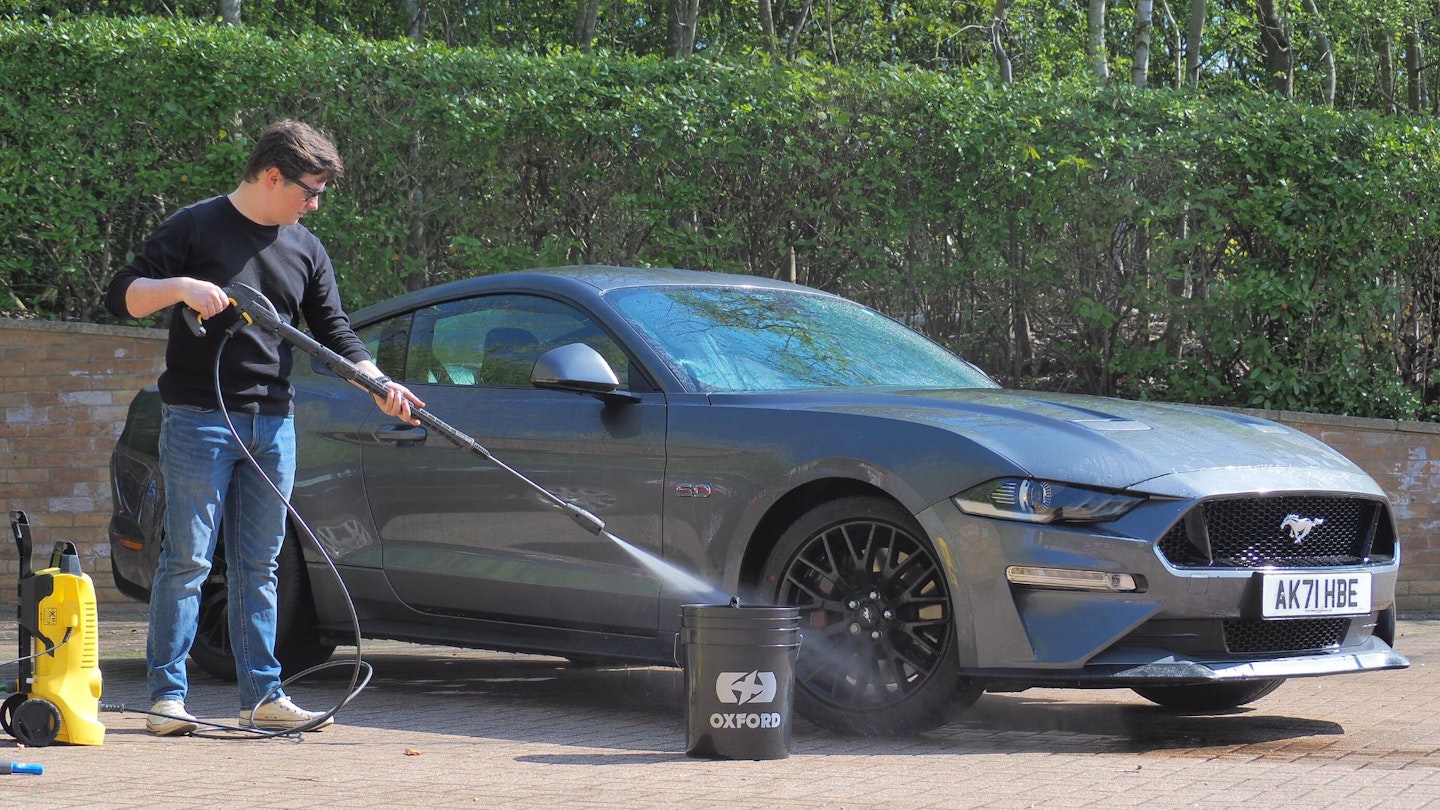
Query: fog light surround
[[1071, 579]]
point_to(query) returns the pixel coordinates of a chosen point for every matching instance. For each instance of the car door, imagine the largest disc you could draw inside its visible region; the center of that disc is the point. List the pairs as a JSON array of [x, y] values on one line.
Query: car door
[[462, 536]]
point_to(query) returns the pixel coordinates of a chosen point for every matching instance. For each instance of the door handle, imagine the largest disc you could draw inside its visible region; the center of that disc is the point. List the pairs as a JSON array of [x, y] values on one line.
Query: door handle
[[401, 435]]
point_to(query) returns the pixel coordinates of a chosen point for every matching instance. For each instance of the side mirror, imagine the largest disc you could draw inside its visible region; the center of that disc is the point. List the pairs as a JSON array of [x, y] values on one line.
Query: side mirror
[[579, 369]]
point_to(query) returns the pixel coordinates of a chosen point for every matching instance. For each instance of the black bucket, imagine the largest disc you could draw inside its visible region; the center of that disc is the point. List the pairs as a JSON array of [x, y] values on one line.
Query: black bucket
[[739, 680]]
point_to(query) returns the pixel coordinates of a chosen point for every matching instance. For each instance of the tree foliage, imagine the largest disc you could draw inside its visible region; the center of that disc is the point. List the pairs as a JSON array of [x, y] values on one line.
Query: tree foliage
[[1234, 249], [1353, 53]]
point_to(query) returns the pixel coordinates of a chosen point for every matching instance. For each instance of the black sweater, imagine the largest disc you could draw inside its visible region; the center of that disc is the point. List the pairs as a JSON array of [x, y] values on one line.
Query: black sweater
[[211, 240]]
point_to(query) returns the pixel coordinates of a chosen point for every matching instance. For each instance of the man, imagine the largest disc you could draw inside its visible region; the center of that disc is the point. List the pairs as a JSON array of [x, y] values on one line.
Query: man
[[252, 235]]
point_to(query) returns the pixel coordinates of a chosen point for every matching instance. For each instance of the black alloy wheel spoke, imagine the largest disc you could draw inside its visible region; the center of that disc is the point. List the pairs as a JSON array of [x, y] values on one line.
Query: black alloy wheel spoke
[[919, 657], [851, 551], [815, 598], [916, 571]]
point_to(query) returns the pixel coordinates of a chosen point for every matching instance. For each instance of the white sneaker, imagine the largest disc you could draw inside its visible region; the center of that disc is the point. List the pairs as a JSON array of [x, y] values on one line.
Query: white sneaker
[[168, 718], [281, 714]]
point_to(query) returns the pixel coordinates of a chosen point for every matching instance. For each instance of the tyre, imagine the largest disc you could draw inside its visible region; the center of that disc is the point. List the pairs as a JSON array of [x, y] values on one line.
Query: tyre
[[1208, 697], [297, 643], [878, 653]]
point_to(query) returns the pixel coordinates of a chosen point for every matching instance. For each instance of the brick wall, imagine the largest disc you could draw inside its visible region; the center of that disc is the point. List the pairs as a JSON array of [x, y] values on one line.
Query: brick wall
[[66, 387], [64, 390], [1404, 457]]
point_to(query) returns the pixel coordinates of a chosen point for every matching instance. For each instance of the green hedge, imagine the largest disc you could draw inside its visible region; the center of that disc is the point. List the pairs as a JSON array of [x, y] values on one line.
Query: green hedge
[[1233, 251]]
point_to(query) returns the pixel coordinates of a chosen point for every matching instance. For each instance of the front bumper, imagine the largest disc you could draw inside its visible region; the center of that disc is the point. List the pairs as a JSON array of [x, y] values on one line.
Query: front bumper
[[1180, 625]]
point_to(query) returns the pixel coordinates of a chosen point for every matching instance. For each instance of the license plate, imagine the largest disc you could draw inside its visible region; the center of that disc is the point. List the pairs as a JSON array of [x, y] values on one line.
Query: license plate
[[1316, 594]]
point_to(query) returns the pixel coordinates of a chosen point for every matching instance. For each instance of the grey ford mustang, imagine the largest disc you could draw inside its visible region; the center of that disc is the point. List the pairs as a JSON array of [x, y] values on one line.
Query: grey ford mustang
[[941, 536]]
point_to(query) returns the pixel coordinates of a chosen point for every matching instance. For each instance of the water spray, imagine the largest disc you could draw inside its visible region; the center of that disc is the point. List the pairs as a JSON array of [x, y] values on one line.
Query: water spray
[[670, 573]]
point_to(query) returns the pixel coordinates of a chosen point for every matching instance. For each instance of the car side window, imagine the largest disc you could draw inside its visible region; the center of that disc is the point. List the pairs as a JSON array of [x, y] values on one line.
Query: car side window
[[495, 340], [386, 342]]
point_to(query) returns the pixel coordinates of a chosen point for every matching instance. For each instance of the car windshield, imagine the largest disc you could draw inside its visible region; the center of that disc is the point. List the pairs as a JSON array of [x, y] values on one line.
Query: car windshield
[[725, 339]]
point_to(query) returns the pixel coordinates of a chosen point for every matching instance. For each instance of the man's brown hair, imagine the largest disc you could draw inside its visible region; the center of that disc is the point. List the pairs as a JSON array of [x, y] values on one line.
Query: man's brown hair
[[295, 149]]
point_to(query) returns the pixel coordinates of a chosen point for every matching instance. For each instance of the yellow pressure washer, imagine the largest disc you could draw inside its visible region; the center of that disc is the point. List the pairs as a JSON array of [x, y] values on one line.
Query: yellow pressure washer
[[57, 693]]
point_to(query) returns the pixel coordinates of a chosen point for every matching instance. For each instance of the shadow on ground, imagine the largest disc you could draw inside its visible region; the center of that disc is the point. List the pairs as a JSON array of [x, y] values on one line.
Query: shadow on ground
[[641, 710]]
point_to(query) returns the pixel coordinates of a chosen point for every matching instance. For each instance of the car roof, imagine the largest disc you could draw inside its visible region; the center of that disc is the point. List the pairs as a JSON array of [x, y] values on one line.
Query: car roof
[[578, 281]]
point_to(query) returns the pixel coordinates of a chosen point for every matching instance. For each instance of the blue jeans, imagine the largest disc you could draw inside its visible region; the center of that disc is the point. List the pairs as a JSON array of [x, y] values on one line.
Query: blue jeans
[[209, 481]]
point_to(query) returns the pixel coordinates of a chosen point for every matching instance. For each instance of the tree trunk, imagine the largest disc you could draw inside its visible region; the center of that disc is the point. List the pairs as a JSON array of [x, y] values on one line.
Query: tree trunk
[[793, 45], [683, 16], [1095, 48], [997, 42], [416, 12], [1177, 45], [1387, 72], [767, 24], [1192, 42], [675, 43], [1327, 54], [830, 31], [1275, 43], [1414, 70], [693, 23], [230, 12], [586, 13], [1144, 27], [416, 214]]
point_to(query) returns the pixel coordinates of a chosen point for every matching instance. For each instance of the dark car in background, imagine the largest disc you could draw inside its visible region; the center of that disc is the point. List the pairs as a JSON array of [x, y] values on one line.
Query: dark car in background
[[941, 536]]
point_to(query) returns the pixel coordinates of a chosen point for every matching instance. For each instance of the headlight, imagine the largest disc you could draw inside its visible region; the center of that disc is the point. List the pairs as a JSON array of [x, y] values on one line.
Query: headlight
[[1036, 501]]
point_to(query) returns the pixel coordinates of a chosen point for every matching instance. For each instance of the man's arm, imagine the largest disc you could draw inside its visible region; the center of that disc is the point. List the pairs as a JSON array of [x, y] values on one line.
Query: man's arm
[[147, 295]]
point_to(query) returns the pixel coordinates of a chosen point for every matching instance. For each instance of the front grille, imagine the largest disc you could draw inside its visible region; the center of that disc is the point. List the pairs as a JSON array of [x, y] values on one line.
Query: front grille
[[1294, 635], [1290, 531]]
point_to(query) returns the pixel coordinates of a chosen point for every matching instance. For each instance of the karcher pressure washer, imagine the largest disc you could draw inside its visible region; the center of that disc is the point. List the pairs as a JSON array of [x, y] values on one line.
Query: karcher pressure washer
[[57, 693]]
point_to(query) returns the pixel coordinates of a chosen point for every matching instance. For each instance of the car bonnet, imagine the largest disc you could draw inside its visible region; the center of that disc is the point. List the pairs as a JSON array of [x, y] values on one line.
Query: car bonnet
[[1162, 448]]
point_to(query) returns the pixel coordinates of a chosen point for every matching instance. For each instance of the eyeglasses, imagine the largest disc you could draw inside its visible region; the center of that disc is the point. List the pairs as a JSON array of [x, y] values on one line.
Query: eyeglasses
[[310, 193]]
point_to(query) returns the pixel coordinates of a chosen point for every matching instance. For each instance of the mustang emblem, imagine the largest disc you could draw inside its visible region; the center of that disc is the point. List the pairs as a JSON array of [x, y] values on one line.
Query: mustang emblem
[[1299, 528]]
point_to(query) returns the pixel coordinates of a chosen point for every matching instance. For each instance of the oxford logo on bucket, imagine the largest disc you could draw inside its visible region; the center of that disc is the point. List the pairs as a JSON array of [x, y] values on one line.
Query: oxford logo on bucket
[[745, 687]]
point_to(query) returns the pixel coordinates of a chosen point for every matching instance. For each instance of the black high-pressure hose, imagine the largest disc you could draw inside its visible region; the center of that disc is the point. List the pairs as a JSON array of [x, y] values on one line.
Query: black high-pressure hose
[[361, 670]]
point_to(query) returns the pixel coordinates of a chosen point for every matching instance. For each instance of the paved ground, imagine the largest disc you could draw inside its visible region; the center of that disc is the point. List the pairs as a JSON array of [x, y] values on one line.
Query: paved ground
[[447, 728]]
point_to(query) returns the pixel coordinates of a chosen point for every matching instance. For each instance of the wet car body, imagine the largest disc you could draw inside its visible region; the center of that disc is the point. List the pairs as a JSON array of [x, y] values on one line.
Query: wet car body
[[942, 536]]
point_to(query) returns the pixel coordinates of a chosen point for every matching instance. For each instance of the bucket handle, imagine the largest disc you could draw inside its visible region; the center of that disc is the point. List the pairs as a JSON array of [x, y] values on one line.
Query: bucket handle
[[675, 646]]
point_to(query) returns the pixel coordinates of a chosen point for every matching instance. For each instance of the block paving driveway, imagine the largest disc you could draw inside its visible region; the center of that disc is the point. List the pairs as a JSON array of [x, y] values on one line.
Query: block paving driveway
[[441, 728]]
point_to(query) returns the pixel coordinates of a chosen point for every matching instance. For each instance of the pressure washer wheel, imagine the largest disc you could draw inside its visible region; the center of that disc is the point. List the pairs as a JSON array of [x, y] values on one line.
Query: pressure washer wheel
[[34, 722], [7, 710]]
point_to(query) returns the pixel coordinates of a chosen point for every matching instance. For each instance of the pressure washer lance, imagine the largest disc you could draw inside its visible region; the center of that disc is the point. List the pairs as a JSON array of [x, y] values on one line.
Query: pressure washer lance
[[255, 309]]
